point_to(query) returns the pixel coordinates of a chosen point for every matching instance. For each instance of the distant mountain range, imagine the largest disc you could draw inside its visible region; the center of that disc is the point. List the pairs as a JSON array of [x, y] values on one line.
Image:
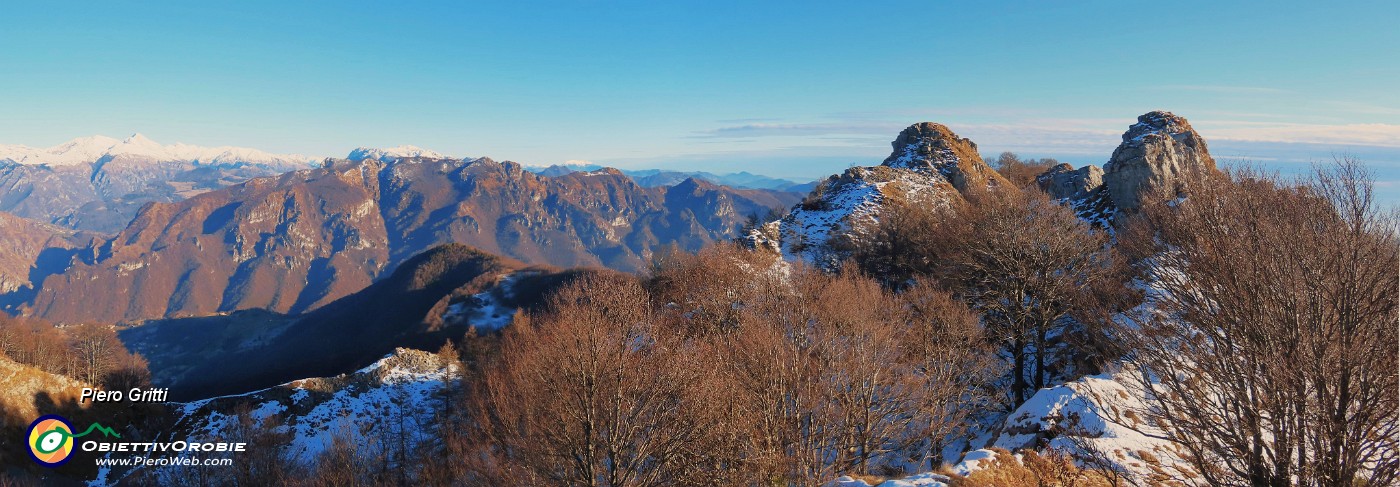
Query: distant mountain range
[[310, 287], [652, 178], [296, 241], [99, 183]]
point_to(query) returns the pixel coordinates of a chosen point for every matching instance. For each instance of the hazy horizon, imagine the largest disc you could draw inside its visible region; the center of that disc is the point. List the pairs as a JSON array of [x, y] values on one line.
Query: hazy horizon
[[795, 91]]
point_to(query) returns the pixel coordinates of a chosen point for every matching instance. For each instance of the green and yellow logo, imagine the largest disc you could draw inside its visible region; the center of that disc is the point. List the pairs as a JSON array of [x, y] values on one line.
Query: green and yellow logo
[[51, 439]]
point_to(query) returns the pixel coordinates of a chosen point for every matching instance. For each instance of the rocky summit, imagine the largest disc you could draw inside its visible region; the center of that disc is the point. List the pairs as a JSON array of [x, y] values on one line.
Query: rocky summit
[[929, 164], [1159, 150], [933, 148]]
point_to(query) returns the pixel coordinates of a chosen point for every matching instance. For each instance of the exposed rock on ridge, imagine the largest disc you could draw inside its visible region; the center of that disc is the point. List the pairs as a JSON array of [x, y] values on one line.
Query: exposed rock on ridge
[[1066, 182], [934, 148], [1159, 150], [929, 164]]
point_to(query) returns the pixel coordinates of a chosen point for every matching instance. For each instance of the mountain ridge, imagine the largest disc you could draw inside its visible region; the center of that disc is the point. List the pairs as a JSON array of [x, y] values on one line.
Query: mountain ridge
[[293, 242]]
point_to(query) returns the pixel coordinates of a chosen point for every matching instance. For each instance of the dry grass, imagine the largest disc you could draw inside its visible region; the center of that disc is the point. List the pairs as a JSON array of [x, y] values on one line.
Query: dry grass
[[22, 385], [1034, 470]]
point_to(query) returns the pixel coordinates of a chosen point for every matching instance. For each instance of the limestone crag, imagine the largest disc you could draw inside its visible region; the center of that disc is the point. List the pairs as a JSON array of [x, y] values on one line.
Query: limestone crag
[[929, 165], [1159, 150], [933, 148], [1066, 182]]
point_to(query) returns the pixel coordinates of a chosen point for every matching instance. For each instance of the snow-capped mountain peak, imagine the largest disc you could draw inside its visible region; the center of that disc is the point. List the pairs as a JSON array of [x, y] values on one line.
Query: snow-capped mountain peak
[[92, 149], [393, 153], [139, 139]]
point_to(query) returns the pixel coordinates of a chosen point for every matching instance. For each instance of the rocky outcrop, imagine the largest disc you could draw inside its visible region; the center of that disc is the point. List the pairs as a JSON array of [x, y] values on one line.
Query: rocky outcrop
[[1158, 151], [933, 148], [1066, 182], [930, 165], [295, 242]]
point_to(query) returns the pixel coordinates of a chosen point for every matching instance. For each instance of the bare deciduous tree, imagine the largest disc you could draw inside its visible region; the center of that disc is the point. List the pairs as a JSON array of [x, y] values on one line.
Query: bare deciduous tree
[[1273, 359], [953, 363], [1030, 266], [587, 394]]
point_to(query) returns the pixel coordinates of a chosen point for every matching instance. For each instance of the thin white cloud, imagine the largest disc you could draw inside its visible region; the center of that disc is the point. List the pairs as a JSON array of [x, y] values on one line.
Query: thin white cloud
[[1225, 89], [1373, 134], [799, 129]]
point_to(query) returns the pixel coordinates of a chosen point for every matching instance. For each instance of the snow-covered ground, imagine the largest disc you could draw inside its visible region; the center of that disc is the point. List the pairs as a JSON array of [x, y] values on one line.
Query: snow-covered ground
[[400, 393], [847, 201], [1097, 420]]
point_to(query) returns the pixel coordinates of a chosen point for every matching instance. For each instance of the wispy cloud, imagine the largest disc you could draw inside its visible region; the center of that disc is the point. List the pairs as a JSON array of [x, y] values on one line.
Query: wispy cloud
[[799, 129], [1373, 134], [1225, 89]]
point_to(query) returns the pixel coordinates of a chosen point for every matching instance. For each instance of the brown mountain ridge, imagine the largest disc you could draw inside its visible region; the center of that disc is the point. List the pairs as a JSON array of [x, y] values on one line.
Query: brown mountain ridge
[[294, 242]]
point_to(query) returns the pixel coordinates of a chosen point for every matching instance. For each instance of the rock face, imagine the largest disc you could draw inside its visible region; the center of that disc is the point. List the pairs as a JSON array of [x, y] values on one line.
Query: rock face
[[1159, 150], [297, 241], [32, 251], [929, 165], [1066, 182]]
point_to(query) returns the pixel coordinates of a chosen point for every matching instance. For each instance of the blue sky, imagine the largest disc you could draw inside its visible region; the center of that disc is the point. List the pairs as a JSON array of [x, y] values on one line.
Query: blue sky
[[796, 89]]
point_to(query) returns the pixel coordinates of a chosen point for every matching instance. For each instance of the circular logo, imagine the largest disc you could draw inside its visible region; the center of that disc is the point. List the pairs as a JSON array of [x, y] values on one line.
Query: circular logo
[[50, 440]]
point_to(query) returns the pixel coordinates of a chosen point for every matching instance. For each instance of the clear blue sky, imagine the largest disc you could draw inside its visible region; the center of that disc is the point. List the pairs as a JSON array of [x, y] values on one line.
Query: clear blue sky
[[798, 89]]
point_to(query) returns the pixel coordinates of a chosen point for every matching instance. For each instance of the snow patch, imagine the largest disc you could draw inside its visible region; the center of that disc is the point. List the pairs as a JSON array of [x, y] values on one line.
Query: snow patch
[[485, 310], [400, 393]]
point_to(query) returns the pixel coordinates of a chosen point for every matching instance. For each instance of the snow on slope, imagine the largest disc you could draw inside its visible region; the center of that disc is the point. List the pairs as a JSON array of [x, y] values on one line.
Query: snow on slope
[[392, 153], [1097, 420], [920, 480], [929, 165], [1097, 417], [88, 150], [484, 310], [398, 394], [973, 461], [842, 203]]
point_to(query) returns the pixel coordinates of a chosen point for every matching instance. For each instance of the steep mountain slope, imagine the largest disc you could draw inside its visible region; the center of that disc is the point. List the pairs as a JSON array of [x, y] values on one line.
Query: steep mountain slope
[[33, 250], [930, 165], [432, 297], [300, 240], [27, 392], [98, 183]]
